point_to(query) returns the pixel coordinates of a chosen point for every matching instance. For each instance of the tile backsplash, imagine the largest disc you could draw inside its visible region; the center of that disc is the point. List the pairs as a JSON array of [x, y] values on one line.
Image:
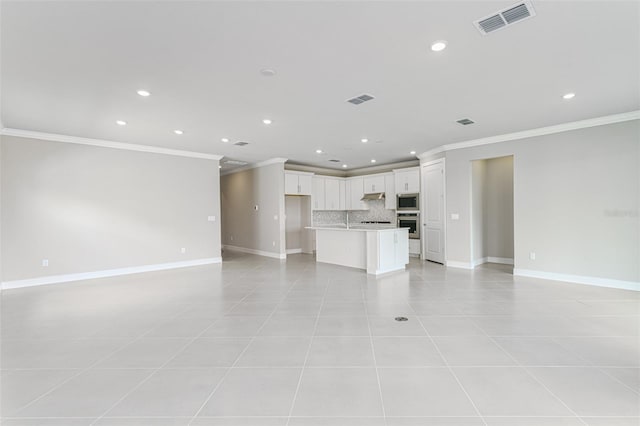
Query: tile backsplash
[[376, 212]]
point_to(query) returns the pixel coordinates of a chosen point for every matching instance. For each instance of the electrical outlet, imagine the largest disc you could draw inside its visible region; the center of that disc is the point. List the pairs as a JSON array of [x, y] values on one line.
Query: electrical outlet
[[232, 238], [211, 218], [275, 217], [532, 255], [45, 262], [273, 243], [183, 250]]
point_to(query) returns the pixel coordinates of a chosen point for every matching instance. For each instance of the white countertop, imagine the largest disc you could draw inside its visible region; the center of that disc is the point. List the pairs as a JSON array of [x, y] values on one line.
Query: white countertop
[[357, 228]]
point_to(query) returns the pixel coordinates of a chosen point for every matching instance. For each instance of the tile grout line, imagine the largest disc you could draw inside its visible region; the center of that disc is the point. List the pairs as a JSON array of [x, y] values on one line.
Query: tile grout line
[[195, 416], [156, 370], [446, 363], [306, 357], [83, 370], [375, 361], [530, 374]]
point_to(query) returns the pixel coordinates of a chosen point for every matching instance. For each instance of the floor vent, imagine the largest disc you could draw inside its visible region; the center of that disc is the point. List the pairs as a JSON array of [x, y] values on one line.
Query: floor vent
[[360, 99], [504, 18]]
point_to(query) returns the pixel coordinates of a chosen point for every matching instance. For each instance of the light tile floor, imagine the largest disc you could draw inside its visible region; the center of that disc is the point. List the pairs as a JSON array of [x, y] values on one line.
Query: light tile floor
[[256, 341]]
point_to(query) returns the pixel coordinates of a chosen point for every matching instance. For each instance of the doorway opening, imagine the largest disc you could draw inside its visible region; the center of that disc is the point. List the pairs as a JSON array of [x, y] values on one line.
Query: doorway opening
[[297, 217], [492, 237]]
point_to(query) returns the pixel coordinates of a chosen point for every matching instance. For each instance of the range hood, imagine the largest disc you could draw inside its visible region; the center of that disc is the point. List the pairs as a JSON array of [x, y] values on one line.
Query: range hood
[[373, 196]]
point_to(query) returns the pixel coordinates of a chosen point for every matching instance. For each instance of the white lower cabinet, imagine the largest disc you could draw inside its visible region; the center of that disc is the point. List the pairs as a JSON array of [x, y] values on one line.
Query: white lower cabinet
[[414, 247], [388, 251]]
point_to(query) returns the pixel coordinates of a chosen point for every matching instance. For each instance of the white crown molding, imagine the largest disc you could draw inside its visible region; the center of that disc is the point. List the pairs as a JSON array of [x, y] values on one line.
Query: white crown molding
[[106, 144], [55, 279], [277, 160], [559, 128], [281, 256], [579, 279]]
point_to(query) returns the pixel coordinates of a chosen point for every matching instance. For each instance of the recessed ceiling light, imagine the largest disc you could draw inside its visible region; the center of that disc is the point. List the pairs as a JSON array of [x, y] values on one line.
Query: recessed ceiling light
[[373, 160], [344, 165], [318, 151], [268, 72], [569, 96], [266, 121], [178, 132], [412, 153], [225, 140], [364, 140], [121, 122], [144, 93], [439, 45]]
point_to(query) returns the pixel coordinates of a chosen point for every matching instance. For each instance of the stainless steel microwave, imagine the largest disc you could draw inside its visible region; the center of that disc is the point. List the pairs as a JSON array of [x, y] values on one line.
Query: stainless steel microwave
[[408, 202]]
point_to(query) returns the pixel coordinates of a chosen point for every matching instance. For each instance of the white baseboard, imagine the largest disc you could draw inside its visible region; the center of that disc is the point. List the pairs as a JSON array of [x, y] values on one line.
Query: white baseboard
[[502, 260], [386, 271], [491, 259], [256, 252], [55, 279], [456, 264], [579, 279], [294, 251]]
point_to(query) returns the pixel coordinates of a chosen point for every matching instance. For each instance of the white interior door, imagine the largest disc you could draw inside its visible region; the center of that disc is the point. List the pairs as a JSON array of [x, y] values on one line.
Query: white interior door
[[433, 220]]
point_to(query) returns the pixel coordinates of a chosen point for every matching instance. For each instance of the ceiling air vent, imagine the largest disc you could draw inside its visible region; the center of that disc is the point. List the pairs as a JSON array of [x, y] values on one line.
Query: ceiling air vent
[[465, 121], [241, 143], [505, 17], [360, 99], [334, 161]]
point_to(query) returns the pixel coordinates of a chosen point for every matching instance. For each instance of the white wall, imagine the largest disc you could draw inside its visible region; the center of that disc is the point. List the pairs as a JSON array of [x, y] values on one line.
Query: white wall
[[576, 197], [87, 208], [478, 185], [263, 230]]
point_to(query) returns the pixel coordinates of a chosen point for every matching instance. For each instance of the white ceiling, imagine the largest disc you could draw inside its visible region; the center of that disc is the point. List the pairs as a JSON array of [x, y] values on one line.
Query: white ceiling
[[73, 68]]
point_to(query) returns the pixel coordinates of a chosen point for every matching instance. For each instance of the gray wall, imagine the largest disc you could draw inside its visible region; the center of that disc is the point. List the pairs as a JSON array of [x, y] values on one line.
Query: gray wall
[[498, 208], [242, 226], [293, 219], [576, 197], [87, 208]]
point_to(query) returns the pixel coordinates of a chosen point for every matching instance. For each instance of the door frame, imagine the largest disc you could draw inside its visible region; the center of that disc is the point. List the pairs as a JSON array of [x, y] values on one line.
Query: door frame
[[423, 201]]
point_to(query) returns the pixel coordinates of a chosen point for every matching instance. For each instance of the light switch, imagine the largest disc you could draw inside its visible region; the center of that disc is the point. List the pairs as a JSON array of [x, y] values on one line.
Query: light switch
[[455, 216], [275, 217], [211, 218]]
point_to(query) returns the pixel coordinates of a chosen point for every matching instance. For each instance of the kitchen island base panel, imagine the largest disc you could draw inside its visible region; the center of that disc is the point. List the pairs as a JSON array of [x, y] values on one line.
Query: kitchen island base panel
[[342, 248], [378, 251]]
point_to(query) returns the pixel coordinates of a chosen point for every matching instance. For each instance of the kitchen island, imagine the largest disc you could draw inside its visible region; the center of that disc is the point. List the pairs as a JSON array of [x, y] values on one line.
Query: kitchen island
[[378, 250]]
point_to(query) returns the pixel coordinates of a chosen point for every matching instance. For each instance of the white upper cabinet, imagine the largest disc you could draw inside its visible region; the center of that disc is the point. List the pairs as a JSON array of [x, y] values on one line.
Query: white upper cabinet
[[297, 183], [407, 181], [343, 194], [373, 183], [332, 194], [318, 196], [389, 192], [355, 191]]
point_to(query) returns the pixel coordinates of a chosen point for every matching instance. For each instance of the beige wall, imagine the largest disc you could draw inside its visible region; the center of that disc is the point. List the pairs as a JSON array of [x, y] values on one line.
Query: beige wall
[[576, 197], [88, 209], [243, 226]]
